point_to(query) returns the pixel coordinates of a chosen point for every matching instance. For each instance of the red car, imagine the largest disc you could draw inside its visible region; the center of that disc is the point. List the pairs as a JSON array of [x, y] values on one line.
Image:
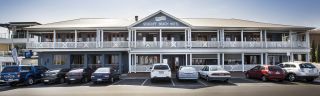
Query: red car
[[266, 72]]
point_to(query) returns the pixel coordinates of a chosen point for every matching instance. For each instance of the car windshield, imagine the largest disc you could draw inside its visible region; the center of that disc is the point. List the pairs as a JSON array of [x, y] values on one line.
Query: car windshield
[[10, 69], [307, 65], [274, 68], [216, 68], [77, 70], [161, 67], [187, 69], [103, 70]]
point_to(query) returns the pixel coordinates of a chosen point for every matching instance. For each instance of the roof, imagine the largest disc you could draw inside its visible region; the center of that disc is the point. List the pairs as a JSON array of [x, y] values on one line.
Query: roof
[[315, 31], [193, 22]]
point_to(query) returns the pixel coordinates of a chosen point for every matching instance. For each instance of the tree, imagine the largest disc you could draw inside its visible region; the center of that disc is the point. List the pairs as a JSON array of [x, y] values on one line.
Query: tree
[[317, 53]]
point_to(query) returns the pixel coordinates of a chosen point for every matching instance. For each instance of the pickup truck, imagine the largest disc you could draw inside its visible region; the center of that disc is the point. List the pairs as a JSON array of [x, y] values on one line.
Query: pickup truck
[[27, 75]]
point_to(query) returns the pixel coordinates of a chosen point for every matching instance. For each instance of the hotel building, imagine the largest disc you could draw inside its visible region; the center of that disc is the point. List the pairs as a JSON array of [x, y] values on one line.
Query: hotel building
[[134, 45]]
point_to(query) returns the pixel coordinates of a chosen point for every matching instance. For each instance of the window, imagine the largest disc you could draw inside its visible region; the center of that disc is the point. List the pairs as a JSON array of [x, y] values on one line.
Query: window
[[148, 59], [77, 59], [161, 67], [59, 59], [307, 65], [115, 59], [25, 69], [10, 69]]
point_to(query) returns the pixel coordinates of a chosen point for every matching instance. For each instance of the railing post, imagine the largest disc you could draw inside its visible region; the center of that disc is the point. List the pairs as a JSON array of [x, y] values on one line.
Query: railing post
[[241, 38], [160, 38], [54, 38], [75, 38]]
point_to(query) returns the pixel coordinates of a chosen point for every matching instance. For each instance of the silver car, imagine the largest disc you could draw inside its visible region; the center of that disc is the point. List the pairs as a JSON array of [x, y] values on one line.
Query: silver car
[[187, 73], [300, 70]]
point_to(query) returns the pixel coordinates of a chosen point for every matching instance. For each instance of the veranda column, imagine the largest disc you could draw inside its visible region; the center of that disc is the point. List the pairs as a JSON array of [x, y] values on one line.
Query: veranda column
[[266, 58], [129, 57], [54, 38], [190, 58], [222, 59], [75, 38], [190, 38], [161, 57], [185, 38], [261, 40], [307, 40], [218, 55], [242, 61], [261, 59], [135, 38], [186, 61], [265, 38], [129, 39], [135, 63]]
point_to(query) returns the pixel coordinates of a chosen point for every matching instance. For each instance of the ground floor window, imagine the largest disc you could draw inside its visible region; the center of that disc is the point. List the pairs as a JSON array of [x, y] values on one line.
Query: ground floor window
[[77, 59], [299, 57], [232, 59], [252, 59], [204, 59], [148, 59], [59, 59], [113, 59], [277, 59]]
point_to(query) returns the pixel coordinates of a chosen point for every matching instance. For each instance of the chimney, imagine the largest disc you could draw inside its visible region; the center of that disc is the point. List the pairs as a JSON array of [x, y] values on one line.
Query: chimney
[[136, 18]]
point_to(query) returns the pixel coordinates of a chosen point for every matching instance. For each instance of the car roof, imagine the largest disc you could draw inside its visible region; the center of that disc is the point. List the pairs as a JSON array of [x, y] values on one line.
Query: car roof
[[295, 62], [160, 64]]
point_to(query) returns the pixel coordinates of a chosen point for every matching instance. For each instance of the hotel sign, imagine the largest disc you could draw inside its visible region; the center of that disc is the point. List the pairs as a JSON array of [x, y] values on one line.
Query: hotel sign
[[160, 20]]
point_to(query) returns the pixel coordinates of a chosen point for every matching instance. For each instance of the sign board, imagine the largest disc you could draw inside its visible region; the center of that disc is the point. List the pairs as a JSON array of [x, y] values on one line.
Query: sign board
[[160, 20], [165, 61]]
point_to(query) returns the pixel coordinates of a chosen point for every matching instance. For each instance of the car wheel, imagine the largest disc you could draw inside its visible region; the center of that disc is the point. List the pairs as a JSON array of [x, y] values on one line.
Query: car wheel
[[207, 78], [61, 80], [85, 80], [30, 81], [111, 79], [310, 79], [264, 78], [13, 84], [291, 77], [226, 80], [247, 76]]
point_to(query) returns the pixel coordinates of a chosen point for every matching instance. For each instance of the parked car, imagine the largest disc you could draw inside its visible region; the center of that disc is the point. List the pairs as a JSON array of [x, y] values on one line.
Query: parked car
[[105, 74], [27, 75], [160, 71], [55, 76], [300, 70], [214, 73], [187, 73], [82, 75], [266, 72]]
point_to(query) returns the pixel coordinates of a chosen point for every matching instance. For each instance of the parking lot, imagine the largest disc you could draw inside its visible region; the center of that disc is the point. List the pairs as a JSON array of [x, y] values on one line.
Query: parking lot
[[174, 83]]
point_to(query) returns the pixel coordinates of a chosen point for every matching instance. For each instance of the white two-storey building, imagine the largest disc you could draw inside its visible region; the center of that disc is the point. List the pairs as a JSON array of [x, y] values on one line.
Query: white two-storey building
[[133, 45]]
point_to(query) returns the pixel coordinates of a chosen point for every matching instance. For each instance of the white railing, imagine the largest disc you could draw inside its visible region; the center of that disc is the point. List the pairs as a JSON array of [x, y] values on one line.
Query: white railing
[[205, 44], [231, 44], [278, 44], [115, 44], [174, 44], [141, 68], [147, 44], [170, 44]]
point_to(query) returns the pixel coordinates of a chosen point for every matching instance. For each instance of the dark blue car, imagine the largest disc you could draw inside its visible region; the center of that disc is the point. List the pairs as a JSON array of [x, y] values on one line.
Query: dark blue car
[[105, 74], [27, 75]]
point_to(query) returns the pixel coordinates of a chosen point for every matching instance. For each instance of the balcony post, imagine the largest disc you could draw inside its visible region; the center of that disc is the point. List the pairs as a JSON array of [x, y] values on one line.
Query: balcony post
[[102, 38], [75, 38], [261, 39], [185, 38], [241, 38], [307, 39], [129, 39], [190, 58], [160, 31], [97, 38], [218, 38], [266, 58], [290, 39], [189, 38], [129, 56], [135, 38], [265, 38], [54, 38]]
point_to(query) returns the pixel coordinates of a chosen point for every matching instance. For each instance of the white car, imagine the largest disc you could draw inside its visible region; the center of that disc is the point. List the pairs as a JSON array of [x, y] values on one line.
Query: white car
[[187, 73], [214, 73], [160, 71], [300, 70]]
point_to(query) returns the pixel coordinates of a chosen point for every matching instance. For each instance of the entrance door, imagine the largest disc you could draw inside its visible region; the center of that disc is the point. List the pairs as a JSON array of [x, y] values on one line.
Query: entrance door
[[271, 60], [174, 62]]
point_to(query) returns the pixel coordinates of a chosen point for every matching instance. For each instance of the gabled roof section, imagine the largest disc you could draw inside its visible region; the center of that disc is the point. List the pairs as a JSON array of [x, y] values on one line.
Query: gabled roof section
[[160, 19]]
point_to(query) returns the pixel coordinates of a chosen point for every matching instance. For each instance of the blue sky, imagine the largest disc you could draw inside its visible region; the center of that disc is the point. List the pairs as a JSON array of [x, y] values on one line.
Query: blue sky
[[292, 12]]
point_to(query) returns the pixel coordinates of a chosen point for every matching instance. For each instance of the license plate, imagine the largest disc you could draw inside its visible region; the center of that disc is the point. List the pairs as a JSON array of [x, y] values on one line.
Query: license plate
[[99, 79], [46, 80], [10, 79], [72, 79], [277, 72], [161, 72]]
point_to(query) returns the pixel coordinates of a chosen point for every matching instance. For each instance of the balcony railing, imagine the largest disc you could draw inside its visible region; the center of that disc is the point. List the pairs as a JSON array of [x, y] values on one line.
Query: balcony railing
[[170, 44]]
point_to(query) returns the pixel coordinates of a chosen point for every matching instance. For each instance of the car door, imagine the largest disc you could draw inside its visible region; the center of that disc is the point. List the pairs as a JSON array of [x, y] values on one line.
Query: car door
[[254, 72], [202, 74]]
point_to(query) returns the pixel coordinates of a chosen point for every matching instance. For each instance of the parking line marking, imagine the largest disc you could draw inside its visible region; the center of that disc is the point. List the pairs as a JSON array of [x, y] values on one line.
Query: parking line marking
[[173, 83], [117, 82], [202, 83], [144, 82]]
